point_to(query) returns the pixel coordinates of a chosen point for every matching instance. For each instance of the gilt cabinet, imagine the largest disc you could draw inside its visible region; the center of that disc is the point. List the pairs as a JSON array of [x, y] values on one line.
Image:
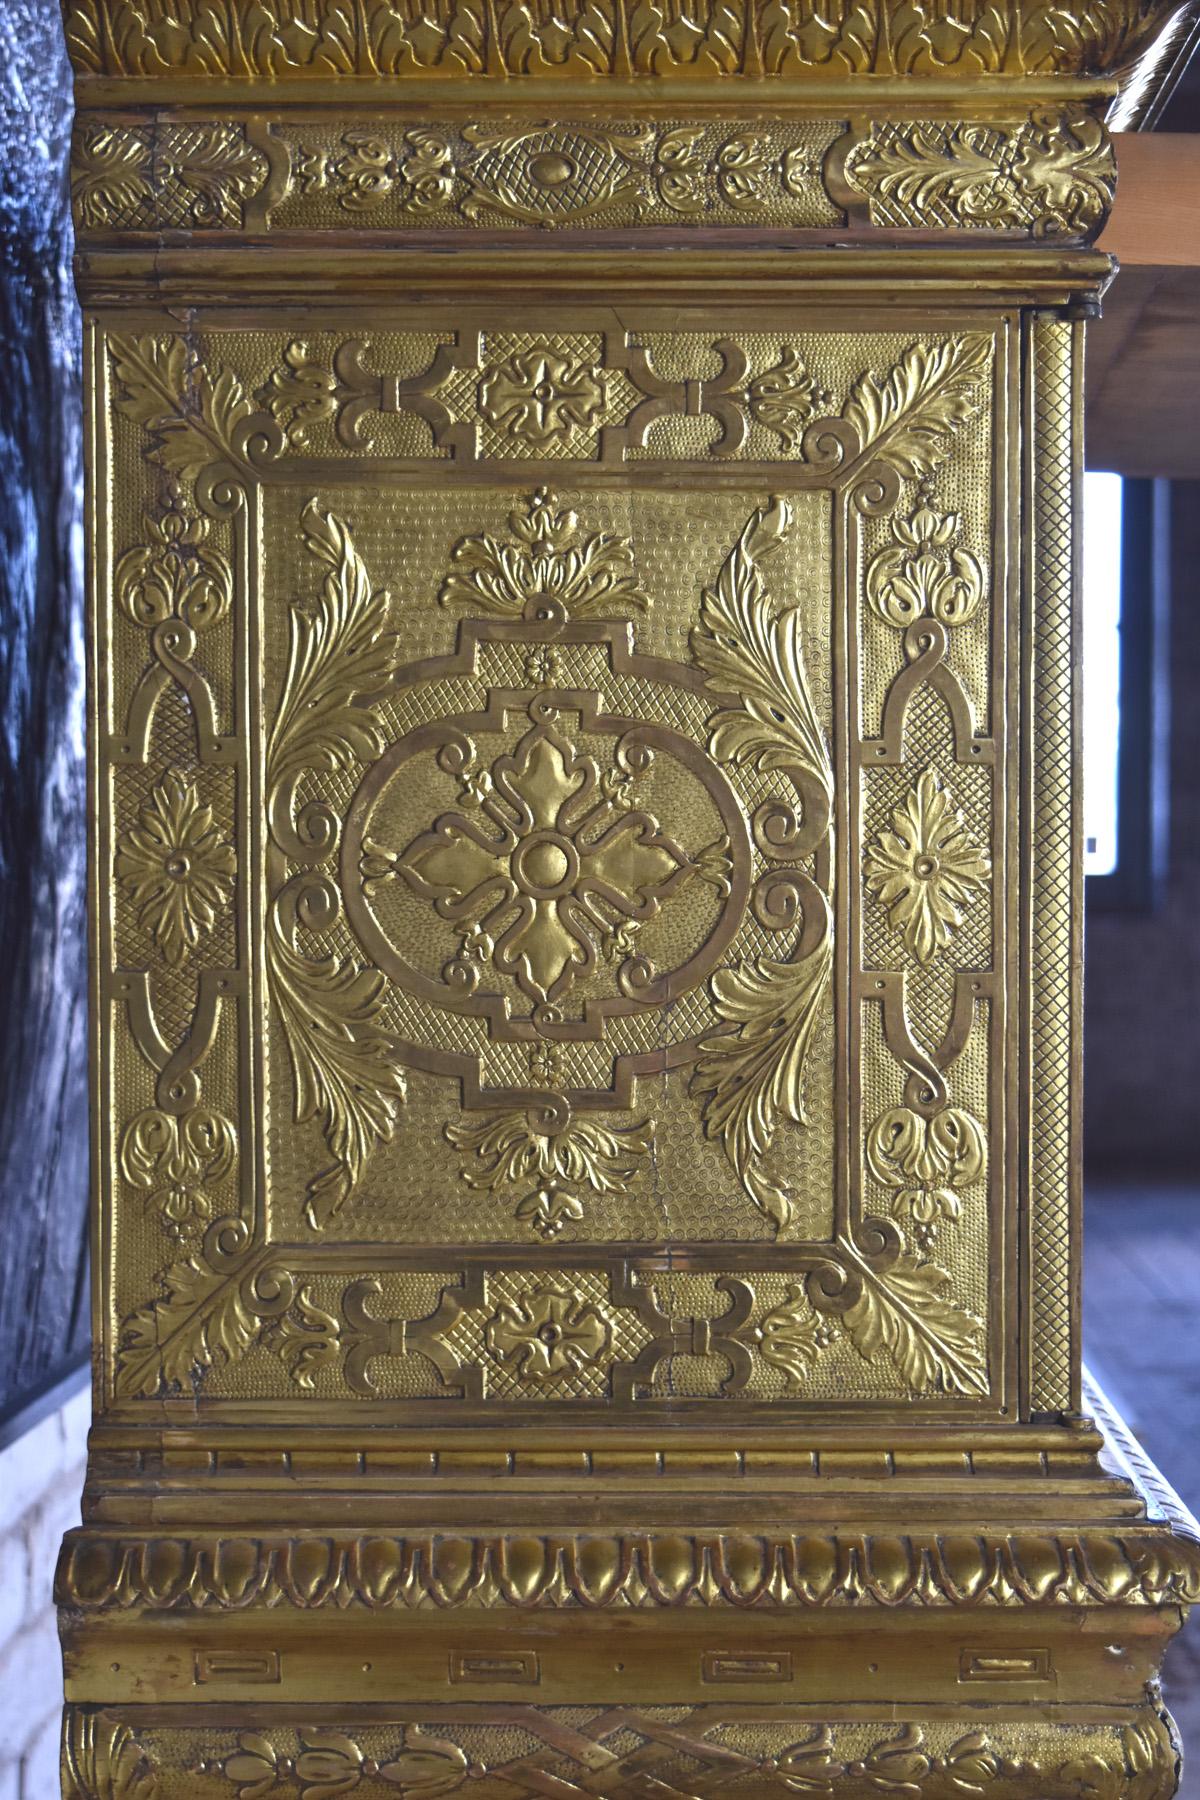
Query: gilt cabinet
[[586, 905]]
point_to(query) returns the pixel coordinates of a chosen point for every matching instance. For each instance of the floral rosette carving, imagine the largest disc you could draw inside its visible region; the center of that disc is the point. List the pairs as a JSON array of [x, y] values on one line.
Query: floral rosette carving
[[548, 1333], [176, 867], [543, 398], [927, 870]]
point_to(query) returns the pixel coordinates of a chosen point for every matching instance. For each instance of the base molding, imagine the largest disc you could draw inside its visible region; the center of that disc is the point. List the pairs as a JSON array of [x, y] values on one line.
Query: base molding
[[499, 1751]]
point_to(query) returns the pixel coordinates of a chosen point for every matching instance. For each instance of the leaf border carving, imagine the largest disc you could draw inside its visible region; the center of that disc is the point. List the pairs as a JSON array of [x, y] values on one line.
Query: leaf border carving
[[791, 42], [344, 1068]]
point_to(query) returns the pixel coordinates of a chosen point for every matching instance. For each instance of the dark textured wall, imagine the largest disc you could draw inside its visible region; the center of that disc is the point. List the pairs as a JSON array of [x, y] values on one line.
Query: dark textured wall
[[43, 1039], [1142, 985]]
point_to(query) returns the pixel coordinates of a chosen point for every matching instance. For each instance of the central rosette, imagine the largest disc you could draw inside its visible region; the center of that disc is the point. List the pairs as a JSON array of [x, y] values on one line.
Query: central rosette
[[552, 865]]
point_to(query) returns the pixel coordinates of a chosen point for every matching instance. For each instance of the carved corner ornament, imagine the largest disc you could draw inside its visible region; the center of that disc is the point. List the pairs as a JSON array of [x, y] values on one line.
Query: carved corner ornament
[[584, 1056]]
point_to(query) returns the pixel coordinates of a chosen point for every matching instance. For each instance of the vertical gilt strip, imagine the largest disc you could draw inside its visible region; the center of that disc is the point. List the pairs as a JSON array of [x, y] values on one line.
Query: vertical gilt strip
[[1056, 876]]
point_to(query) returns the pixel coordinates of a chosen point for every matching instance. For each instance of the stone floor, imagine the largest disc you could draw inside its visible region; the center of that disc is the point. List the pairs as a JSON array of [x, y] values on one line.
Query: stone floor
[[1141, 1314]]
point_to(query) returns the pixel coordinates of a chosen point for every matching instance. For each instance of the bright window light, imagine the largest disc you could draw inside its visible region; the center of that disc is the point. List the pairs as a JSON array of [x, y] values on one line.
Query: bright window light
[[1101, 669]]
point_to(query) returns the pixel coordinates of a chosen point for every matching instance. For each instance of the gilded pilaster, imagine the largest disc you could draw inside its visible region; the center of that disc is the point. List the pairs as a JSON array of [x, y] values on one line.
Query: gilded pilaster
[[586, 905]]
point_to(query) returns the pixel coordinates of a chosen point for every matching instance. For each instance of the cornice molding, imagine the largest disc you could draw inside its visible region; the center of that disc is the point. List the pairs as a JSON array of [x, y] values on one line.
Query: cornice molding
[[789, 41]]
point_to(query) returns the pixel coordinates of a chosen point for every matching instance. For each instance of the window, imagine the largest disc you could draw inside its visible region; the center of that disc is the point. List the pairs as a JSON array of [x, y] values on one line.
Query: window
[[1124, 702]]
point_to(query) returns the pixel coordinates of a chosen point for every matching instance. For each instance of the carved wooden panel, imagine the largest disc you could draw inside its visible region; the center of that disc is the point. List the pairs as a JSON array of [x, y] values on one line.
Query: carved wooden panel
[[504, 881]]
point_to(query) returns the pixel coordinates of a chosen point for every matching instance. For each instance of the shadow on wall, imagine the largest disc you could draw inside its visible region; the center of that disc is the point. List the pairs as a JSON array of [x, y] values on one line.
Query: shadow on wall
[[1142, 972]]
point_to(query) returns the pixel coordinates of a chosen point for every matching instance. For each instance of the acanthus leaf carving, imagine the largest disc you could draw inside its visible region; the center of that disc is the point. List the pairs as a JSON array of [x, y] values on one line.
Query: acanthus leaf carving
[[551, 571], [752, 1074], [196, 415], [110, 175], [306, 1338], [204, 1316], [785, 397], [906, 1314], [775, 38], [792, 1336], [909, 417], [340, 656], [1052, 175], [344, 1066]]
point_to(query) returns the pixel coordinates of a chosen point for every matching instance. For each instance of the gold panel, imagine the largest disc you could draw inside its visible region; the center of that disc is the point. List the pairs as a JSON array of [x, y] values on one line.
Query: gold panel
[[585, 903], [521, 904]]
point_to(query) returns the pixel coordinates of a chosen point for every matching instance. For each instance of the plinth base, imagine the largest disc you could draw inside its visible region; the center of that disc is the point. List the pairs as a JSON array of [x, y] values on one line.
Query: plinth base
[[887, 1623]]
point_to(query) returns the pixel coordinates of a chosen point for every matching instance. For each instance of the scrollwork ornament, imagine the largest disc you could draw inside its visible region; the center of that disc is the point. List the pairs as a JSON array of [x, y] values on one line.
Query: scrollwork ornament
[[174, 1159], [176, 573], [366, 172]]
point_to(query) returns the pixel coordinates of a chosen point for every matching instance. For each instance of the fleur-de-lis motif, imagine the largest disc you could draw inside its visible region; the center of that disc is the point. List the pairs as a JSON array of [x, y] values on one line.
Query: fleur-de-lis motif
[[517, 1148], [785, 397], [922, 575], [176, 573]]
